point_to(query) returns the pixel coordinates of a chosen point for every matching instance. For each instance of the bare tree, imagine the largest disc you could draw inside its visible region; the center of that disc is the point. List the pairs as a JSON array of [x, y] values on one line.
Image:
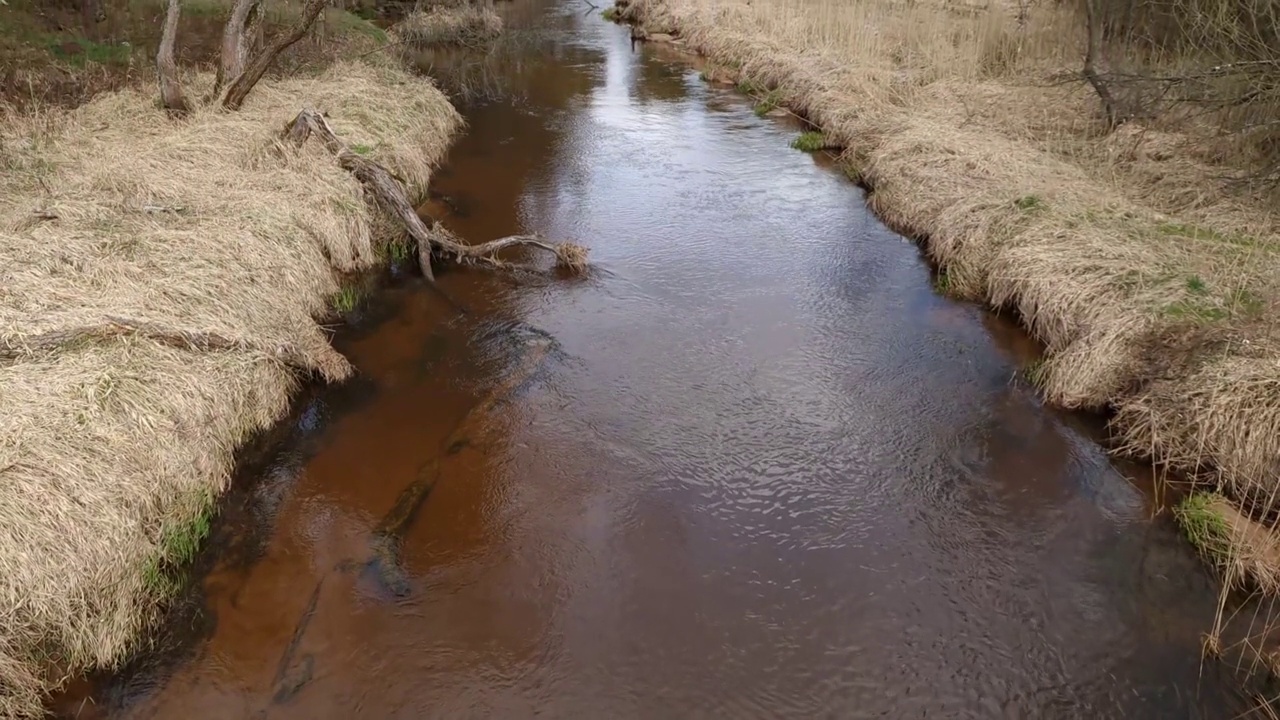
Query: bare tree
[[171, 95], [257, 67]]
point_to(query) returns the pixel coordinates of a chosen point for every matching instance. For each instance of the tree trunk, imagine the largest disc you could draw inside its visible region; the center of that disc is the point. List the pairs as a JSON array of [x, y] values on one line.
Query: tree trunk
[[171, 96], [257, 67], [92, 12], [1093, 21], [235, 42]]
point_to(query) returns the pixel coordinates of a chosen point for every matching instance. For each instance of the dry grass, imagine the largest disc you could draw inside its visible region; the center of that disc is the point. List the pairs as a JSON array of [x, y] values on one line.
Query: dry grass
[[1151, 278], [443, 25], [110, 452]]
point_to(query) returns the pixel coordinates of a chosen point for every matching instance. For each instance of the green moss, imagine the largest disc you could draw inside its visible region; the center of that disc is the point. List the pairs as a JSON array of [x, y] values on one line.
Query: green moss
[[1204, 526], [611, 14], [810, 141], [852, 171], [747, 86]]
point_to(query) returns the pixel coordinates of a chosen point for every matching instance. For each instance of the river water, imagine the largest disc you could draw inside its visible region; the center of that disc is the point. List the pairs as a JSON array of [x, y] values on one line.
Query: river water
[[762, 471]]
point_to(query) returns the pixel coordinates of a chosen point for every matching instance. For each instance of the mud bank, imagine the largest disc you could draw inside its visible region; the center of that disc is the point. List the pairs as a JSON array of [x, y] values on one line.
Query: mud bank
[[1152, 288], [163, 288]]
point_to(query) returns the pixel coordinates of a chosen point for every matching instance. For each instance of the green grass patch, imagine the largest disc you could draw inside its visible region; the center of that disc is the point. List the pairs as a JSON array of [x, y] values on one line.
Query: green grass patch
[[82, 52], [747, 86], [179, 546], [365, 150], [810, 141], [348, 22], [942, 283], [768, 103], [399, 250], [1246, 303], [1029, 203], [346, 299], [1195, 309], [1196, 285], [1195, 232], [1204, 526], [611, 14], [1036, 373], [852, 171]]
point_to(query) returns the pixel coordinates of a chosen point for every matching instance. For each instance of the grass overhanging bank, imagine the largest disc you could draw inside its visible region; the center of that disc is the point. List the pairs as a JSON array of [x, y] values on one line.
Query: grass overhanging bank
[[1151, 278], [183, 265]]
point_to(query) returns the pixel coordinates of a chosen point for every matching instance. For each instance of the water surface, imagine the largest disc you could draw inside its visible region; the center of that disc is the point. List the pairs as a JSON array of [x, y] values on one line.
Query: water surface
[[764, 470]]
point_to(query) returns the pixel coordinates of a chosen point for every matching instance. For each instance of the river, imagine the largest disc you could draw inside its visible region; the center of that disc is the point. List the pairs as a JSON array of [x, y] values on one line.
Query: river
[[764, 470]]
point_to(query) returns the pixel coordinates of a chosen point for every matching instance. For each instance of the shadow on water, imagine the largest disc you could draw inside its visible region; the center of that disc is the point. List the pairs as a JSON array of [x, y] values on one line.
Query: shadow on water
[[762, 470]]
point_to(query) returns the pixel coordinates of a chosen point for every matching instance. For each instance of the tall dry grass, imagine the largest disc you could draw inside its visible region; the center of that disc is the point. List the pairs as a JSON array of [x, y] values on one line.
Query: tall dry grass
[[1150, 274], [110, 450]]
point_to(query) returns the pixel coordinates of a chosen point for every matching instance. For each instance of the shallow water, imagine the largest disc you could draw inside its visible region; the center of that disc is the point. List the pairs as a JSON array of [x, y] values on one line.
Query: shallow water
[[764, 470]]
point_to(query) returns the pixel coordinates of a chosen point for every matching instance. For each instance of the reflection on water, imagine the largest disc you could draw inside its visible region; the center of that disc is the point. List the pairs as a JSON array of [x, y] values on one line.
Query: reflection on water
[[766, 471]]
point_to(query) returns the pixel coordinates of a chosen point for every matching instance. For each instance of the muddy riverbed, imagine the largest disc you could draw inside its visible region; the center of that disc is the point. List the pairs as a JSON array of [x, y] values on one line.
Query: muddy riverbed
[[756, 466]]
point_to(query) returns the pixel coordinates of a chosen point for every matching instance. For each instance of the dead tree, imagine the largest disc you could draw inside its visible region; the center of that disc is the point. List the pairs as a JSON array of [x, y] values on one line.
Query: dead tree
[[171, 95]]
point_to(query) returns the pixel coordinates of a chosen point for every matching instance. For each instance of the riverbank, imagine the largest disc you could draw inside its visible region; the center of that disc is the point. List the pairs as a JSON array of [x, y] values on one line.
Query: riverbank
[[1149, 276], [163, 287]]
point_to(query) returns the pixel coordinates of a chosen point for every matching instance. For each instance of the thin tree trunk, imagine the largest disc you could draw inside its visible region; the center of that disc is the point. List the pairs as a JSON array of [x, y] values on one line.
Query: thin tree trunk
[[1093, 29], [235, 42], [171, 95], [257, 67], [92, 13]]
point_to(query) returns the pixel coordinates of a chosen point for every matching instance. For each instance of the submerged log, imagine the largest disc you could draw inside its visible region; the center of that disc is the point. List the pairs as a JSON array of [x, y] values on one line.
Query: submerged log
[[391, 197], [388, 536]]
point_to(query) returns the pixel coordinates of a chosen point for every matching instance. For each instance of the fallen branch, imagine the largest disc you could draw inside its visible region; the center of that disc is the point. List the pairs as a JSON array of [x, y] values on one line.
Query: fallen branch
[[16, 347], [390, 196]]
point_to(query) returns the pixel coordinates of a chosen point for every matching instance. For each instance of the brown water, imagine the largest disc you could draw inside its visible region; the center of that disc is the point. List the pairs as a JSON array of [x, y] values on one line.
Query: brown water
[[763, 471]]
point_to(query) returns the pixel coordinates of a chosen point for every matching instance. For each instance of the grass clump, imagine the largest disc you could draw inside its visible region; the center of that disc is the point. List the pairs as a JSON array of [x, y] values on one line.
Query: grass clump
[[768, 103], [346, 299], [809, 141], [1201, 518], [1029, 203], [113, 449], [611, 14], [449, 25], [942, 283]]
